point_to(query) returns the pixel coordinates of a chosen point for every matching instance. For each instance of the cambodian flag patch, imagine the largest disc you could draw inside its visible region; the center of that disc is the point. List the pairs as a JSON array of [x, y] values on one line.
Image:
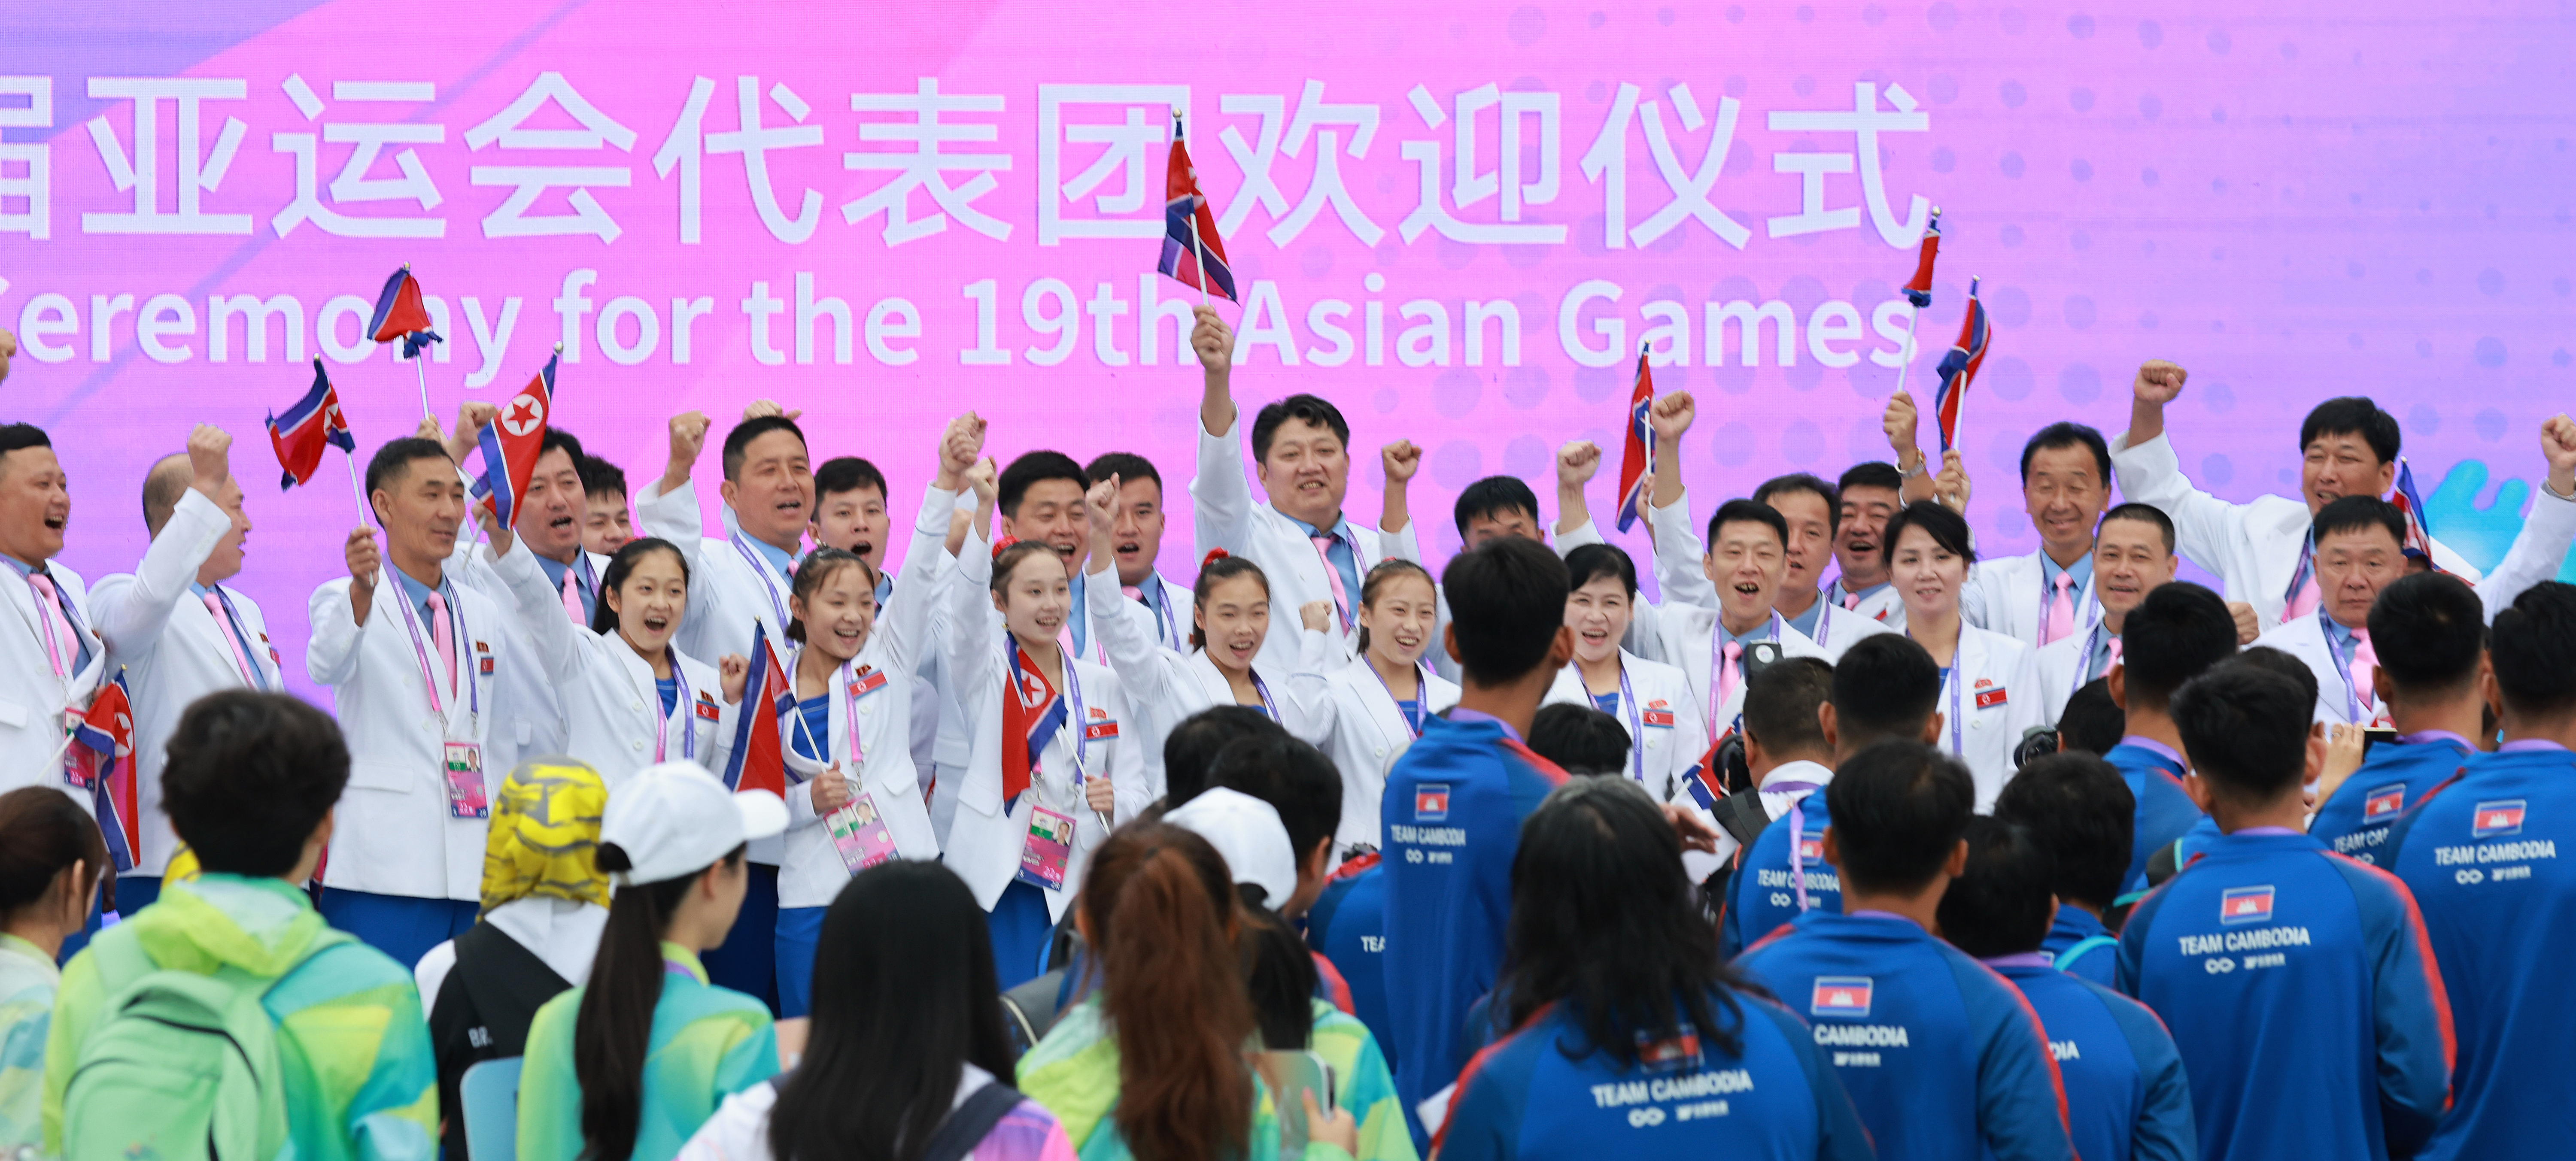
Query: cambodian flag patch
[[2495, 819], [2383, 801], [1841, 996], [2245, 905], [1811, 850], [1431, 802], [1676, 1053]]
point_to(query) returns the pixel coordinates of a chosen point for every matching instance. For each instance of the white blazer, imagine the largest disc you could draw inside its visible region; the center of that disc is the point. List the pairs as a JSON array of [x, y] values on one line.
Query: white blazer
[[1991, 696], [1641, 639], [2010, 595], [540, 731], [2535, 556], [395, 835], [1356, 723], [1678, 551], [1886, 607], [174, 651], [1225, 516], [34, 703], [1164, 687], [984, 841], [2065, 666], [612, 713], [881, 715], [2338, 698], [1689, 631], [1666, 726], [2254, 548]]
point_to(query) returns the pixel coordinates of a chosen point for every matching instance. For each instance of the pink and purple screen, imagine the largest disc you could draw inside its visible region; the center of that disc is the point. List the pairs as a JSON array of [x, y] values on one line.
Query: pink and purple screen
[[1459, 222]]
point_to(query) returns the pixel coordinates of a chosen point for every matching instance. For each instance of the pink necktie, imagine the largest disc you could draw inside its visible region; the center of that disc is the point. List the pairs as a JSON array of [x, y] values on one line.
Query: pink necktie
[[1341, 596], [2115, 655], [1730, 672], [1134, 593], [2061, 611], [441, 636], [224, 625], [2364, 659], [2304, 601], [572, 598], [61, 648], [1851, 600]]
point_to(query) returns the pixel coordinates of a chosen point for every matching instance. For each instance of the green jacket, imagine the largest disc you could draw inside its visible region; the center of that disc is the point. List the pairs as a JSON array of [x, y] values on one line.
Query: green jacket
[[361, 1077], [27, 983], [707, 1044], [1074, 1073]]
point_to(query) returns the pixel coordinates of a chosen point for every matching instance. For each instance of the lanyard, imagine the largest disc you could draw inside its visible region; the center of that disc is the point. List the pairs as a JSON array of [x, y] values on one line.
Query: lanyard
[[241, 638], [1636, 722], [849, 680], [2307, 564], [1072, 693], [2084, 656], [768, 579], [1172, 638], [1716, 666], [465, 662], [1421, 694], [1955, 676], [2343, 669], [1263, 688], [683, 707]]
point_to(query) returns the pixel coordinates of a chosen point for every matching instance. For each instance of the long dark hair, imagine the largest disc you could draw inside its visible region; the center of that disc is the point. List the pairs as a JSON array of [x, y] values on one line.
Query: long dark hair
[[817, 569], [1278, 971], [1158, 901], [604, 619], [1598, 867], [1219, 568], [42, 833], [879, 1076], [1376, 581], [613, 1030]]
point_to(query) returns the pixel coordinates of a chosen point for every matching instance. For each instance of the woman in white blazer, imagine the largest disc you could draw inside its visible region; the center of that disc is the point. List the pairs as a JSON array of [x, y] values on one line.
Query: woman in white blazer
[[1366, 714], [1652, 700], [851, 742], [1990, 688], [1085, 773], [1229, 623]]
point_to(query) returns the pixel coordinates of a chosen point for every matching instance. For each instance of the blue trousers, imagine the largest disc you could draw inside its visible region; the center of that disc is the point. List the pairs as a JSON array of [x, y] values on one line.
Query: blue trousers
[[748, 961], [1021, 932], [400, 926], [136, 892], [73, 943], [800, 930]]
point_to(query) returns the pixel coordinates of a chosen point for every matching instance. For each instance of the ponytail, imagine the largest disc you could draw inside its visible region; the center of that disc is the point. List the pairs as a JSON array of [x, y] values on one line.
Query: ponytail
[[1279, 972], [613, 1029], [1376, 582], [1160, 906]]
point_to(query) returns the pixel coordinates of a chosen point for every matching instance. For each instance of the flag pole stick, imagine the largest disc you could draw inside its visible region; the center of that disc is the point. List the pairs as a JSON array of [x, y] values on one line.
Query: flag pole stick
[[423, 373], [355, 488], [1912, 312]]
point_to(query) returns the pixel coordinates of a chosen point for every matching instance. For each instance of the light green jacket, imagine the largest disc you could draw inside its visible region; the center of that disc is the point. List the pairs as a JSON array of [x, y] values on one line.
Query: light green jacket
[[361, 1078], [1074, 1073], [27, 983], [707, 1044]]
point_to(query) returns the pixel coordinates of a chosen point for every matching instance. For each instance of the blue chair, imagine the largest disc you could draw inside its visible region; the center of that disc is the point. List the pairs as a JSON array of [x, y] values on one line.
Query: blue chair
[[490, 1094]]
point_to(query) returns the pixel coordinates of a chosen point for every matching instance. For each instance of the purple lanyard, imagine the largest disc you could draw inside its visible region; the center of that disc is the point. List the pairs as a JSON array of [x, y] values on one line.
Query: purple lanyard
[[1797, 837], [1716, 662], [1263, 688], [465, 662], [1637, 723], [1072, 694], [683, 707], [240, 636], [2343, 668], [2084, 656], [1421, 695], [768, 580], [1954, 676], [2307, 564]]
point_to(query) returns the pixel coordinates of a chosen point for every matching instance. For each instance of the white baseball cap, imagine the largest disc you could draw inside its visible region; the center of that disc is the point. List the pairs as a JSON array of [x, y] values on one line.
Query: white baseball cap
[[1248, 833], [676, 819]]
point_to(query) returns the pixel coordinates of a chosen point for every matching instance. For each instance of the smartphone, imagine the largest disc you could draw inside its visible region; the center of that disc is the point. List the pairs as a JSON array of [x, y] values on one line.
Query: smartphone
[[1290, 1074], [2374, 736]]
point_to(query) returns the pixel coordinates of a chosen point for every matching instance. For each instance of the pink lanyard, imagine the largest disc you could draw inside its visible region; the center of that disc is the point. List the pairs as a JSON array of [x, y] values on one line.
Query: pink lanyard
[[850, 714], [465, 661], [1716, 662]]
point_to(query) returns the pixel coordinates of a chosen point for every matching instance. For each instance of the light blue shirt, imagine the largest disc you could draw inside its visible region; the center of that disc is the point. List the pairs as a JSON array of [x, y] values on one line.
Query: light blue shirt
[[780, 561], [1761, 631], [232, 625], [418, 594], [1806, 622], [1836, 592], [555, 570], [1341, 556], [80, 645], [2081, 570], [2342, 640]]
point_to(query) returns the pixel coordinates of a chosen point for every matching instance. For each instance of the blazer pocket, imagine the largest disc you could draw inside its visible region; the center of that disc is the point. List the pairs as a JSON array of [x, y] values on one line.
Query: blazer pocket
[[13, 715], [371, 775]]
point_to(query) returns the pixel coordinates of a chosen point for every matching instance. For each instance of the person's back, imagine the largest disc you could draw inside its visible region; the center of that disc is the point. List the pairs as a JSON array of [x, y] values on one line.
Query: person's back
[[1348, 927], [2126, 1096], [1454, 803], [52, 859], [2429, 633], [249, 787], [2079, 810], [1940, 1055], [2176, 633], [2481, 857], [2295, 982]]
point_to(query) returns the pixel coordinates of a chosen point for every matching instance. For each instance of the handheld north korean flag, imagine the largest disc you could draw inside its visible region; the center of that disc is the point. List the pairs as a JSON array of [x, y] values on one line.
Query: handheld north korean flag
[[106, 730], [2419, 539], [400, 314], [1638, 455], [759, 759], [1959, 367], [511, 442], [1192, 251], [311, 424], [1918, 290]]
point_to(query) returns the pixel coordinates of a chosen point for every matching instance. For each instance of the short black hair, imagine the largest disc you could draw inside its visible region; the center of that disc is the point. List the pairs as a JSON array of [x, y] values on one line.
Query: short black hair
[[1311, 409], [1295, 778], [17, 436], [2532, 640], [1947, 529], [2245, 728], [2063, 434], [1580, 739], [2429, 631], [2175, 634], [392, 462], [2278, 661], [1506, 606], [557, 439], [847, 474], [1999, 905], [1899, 809], [601, 478], [1026, 471], [1885, 688], [1780, 704], [2353, 415], [250, 775], [1748, 512], [1493, 496], [1808, 482], [2359, 514], [1193, 745], [1868, 474], [2091, 721], [2144, 514], [1591, 562], [2081, 809], [1127, 466], [737, 444]]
